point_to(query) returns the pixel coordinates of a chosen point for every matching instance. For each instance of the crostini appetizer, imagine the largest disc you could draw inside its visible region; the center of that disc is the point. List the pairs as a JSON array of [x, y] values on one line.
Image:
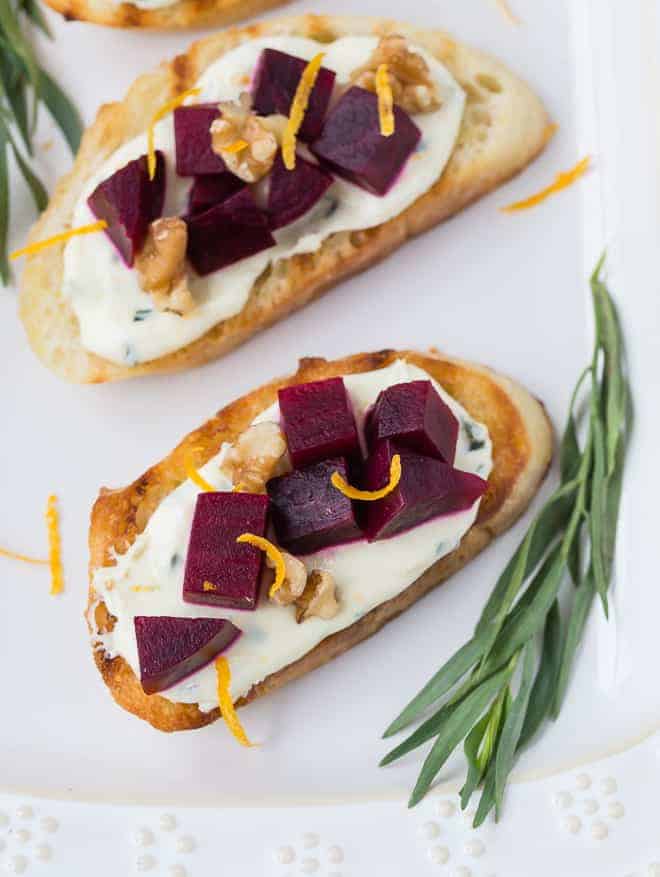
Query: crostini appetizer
[[233, 185], [298, 521]]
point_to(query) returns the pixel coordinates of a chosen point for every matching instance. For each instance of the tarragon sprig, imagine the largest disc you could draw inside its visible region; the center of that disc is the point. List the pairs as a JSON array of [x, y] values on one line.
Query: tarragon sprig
[[24, 85], [496, 691]]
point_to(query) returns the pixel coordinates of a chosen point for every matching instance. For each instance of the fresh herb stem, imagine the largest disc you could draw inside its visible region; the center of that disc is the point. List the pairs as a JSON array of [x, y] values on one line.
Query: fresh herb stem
[[24, 87], [495, 693]]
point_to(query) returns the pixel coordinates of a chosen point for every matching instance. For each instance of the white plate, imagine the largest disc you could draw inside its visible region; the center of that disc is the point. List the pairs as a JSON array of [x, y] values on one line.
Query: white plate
[[508, 290]]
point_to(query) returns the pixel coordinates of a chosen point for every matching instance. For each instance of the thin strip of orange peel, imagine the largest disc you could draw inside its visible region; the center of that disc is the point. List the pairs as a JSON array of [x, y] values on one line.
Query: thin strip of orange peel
[[165, 110], [369, 495], [223, 675], [24, 558], [195, 476], [385, 101], [273, 553], [298, 110], [38, 246], [55, 546], [561, 181], [236, 146]]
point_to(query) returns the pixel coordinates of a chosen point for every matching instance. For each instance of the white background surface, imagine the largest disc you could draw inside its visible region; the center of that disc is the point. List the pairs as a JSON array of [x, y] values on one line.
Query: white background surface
[[505, 290]]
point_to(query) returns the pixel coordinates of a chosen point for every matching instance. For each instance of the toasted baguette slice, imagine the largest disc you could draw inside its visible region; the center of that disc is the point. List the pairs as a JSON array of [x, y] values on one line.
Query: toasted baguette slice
[[504, 127], [522, 448], [178, 15]]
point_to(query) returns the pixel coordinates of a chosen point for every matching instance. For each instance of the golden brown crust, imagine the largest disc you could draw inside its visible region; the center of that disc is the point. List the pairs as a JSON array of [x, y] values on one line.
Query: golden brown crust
[[178, 15], [504, 128], [522, 448]]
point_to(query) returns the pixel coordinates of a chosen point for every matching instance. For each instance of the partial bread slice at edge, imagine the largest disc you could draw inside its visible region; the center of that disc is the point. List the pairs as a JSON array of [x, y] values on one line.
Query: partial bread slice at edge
[[177, 15], [504, 127], [522, 449]]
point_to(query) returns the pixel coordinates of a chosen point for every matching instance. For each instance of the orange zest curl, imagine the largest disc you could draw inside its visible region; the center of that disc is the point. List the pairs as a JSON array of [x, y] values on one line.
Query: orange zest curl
[[236, 146], [24, 558], [561, 181], [369, 495], [165, 110], [223, 674], [38, 246], [196, 477], [209, 586], [385, 101], [298, 110], [273, 553], [55, 546]]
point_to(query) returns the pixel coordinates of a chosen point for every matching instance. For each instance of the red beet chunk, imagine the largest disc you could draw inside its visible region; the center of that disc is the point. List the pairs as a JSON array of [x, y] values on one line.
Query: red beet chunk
[[228, 232], [308, 512], [351, 143], [415, 416], [211, 189], [169, 649], [428, 488], [276, 79], [129, 201], [214, 555], [293, 193], [192, 136], [318, 421]]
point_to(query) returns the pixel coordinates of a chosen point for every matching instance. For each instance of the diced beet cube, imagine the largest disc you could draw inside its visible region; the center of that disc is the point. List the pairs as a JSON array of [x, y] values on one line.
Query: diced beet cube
[[428, 488], [308, 512], [129, 201], [211, 189], [169, 649], [228, 232], [230, 569], [293, 193], [192, 136], [274, 86], [318, 421], [415, 416], [351, 143]]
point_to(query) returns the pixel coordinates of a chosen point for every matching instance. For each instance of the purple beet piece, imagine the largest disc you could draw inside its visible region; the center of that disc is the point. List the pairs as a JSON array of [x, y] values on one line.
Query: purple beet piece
[[351, 143], [318, 421], [308, 512], [228, 232], [169, 649], [293, 193], [192, 136], [415, 416], [274, 86], [211, 189], [214, 555], [428, 488], [128, 201]]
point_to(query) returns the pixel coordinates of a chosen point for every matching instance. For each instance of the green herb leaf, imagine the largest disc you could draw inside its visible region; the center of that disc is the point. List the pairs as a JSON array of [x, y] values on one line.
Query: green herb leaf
[[61, 109], [545, 685], [475, 768], [582, 601], [467, 712], [4, 208], [33, 11], [507, 745]]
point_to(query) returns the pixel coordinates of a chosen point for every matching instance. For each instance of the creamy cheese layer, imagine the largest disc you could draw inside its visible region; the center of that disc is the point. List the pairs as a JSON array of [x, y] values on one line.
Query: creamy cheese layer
[[366, 574], [118, 320]]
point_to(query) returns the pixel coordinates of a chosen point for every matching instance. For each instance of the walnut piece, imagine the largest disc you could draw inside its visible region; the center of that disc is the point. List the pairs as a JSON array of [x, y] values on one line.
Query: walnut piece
[[319, 599], [294, 581], [261, 134], [412, 87], [161, 265], [253, 458]]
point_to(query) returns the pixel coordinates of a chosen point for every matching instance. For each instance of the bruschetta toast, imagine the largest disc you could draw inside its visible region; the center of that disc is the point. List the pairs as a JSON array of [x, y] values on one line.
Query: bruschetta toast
[[92, 312], [504, 443]]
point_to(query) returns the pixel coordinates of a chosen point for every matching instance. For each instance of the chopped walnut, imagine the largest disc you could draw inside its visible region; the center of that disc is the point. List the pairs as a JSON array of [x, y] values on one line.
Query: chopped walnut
[[410, 80], [261, 135], [318, 599], [161, 265], [253, 458], [295, 580]]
